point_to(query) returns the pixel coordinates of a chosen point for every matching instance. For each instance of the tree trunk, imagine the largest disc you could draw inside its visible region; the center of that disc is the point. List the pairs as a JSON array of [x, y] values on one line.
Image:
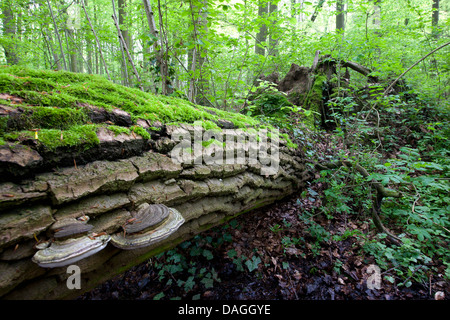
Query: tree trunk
[[98, 43], [203, 80], [261, 36], [340, 17], [156, 41], [126, 37], [166, 83], [111, 180], [435, 19], [317, 9], [57, 34], [377, 15], [89, 47], [273, 33], [9, 32], [127, 51], [72, 52]]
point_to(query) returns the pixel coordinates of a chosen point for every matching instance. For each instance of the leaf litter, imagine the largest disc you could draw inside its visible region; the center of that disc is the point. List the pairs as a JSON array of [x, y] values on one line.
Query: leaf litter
[[267, 254]]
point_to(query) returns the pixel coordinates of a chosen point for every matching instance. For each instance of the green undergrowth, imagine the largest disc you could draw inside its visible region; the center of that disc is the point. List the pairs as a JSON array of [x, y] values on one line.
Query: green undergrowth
[[56, 101], [408, 151]]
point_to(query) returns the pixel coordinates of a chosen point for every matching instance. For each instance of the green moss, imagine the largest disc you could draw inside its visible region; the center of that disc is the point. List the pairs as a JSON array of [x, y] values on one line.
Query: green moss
[[141, 131], [63, 96], [118, 129], [85, 135], [57, 118], [78, 135], [212, 141], [136, 129], [289, 142], [313, 100], [11, 136], [3, 122]]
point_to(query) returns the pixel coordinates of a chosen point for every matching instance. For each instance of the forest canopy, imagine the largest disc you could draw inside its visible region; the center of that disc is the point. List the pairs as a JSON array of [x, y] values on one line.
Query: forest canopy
[[211, 52]]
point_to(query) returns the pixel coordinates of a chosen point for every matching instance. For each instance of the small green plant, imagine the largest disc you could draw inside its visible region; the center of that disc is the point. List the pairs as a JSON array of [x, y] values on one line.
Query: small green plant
[[276, 228], [253, 263]]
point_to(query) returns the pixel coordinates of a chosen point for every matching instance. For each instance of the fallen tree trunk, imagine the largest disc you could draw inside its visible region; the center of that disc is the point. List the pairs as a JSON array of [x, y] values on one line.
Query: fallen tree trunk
[[101, 192], [106, 191]]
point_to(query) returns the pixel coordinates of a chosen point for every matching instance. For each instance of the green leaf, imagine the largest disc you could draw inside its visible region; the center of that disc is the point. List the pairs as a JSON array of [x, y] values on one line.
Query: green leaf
[[232, 253], [159, 296], [189, 284], [253, 264], [208, 282], [207, 254]]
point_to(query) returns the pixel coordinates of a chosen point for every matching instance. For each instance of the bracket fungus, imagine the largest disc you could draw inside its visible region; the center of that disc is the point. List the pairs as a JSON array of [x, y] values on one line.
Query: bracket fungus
[[63, 253], [150, 224], [70, 244], [70, 227]]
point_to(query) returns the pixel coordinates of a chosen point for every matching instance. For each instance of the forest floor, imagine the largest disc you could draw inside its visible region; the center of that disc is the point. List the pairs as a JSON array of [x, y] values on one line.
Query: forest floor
[[284, 251], [267, 254]]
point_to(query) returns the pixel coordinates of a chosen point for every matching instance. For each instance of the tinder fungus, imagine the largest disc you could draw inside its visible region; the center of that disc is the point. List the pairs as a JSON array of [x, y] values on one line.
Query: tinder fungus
[[70, 243], [150, 224]]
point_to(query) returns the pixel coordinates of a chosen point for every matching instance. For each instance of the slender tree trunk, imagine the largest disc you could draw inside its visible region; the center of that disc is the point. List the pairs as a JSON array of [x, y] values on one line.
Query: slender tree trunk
[[273, 38], [89, 47], [317, 9], [377, 14], [192, 63], [203, 81], [435, 18], [340, 17], [261, 36], [57, 34], [125, 48], [125, 36], [98, 42], [9, 31], [72, 53], [124, 67], [49, 42]]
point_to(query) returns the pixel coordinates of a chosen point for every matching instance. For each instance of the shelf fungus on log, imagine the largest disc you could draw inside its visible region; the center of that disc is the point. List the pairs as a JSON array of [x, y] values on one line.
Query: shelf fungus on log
[[63, 253], [71, 227], [70, 244], [150, 224]]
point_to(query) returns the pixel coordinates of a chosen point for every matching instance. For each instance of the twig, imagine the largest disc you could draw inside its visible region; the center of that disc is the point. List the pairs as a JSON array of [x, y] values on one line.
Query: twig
[[124, 45], [395, 81]]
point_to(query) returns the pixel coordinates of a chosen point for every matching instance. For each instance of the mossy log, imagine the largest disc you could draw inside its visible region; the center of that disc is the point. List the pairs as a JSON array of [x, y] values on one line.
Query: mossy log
[[108, 169]]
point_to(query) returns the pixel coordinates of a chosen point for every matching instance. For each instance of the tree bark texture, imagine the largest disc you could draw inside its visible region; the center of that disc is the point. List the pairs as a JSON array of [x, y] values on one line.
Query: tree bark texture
[[39, 188]]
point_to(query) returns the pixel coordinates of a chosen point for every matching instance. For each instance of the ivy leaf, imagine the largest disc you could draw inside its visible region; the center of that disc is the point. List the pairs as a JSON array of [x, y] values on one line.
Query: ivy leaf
[[208, 282], [159, 296], [232, 253], [189, 284], [207, 254], [253, 264]]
